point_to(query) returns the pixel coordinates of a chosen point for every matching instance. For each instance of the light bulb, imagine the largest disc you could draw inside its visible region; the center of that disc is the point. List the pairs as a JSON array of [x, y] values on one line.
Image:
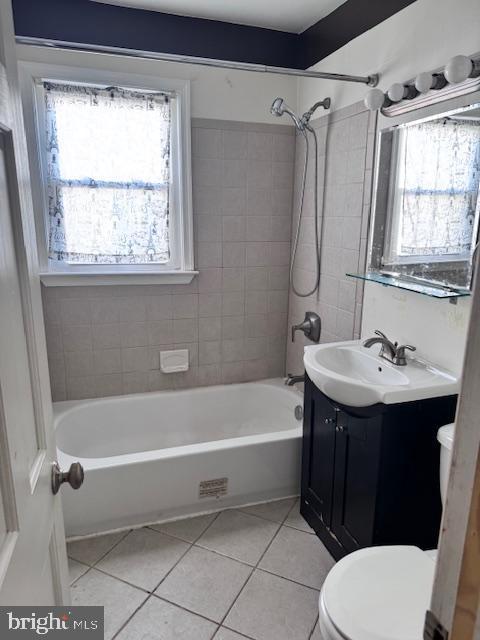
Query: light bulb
[[397, 92], [424, 82], [458, 69], [375, 99]]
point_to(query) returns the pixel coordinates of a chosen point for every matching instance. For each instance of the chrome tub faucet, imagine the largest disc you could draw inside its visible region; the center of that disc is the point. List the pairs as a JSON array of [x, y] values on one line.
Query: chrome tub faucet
[[291, 380]]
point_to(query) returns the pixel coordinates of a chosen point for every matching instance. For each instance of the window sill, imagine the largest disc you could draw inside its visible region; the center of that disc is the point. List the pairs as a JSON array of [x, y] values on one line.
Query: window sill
[[95, 278]]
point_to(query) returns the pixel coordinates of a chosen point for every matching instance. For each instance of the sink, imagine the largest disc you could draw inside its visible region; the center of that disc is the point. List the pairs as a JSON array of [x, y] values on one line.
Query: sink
[[350, 374]]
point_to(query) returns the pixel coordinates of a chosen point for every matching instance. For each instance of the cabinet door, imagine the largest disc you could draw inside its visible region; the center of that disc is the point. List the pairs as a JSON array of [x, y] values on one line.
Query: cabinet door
[[318, 453], [357, 458]]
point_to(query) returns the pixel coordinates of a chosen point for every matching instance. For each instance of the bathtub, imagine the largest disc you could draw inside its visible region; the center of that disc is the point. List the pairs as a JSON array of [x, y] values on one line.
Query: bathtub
[[159, 456]]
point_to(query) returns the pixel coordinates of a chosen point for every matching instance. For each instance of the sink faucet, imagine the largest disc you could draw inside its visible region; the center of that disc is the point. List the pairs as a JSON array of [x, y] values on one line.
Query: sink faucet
[[291, 380], [390, 350]]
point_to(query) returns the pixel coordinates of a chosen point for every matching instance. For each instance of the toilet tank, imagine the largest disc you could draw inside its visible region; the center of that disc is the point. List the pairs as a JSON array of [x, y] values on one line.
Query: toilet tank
[[445, 437]]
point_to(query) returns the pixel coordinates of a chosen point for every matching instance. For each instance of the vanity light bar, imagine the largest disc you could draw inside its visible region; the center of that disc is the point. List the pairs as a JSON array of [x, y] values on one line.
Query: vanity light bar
[[458, 69]]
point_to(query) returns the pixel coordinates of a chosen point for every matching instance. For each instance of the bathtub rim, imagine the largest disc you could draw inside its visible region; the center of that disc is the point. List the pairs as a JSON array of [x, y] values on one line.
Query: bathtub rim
[[63, 408]]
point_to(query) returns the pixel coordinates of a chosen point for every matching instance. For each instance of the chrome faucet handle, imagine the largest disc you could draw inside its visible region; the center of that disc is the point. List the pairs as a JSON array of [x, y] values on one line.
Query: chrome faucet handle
[[311, 327], [400, 358]]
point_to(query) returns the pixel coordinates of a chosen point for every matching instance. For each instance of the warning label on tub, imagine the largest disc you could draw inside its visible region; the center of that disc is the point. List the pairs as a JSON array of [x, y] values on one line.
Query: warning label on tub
[[213, 488]]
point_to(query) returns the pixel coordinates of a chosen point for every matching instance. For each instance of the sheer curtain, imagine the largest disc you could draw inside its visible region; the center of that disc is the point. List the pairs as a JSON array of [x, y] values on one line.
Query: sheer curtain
[[438, 194], [108, 174]]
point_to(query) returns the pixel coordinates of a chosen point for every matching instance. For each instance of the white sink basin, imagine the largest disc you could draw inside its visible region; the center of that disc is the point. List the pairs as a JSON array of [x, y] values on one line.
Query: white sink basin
[[350, 374]]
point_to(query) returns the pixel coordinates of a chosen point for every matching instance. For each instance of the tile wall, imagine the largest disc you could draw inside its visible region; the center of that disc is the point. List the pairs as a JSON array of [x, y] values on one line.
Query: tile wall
[[347, 193], [232, 318]]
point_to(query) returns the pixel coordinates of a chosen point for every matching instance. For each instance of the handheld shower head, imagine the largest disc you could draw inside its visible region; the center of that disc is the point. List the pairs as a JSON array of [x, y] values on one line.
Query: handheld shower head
[[279, 107]]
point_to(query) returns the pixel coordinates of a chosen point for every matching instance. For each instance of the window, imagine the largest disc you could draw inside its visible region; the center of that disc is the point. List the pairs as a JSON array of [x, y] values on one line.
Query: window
[[426, 218], [436, 197], [113, 172]]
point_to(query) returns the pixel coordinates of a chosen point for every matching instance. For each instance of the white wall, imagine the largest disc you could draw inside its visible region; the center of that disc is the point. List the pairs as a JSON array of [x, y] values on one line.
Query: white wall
[[436, 327], [422, 37], [221, 94]]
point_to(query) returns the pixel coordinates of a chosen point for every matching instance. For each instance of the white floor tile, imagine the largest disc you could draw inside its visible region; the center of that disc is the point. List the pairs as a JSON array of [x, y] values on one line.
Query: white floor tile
[[295, 520], [160, 620], [239, 535], [271, 608], [90, 550], [119, 599], [205, 583], [275, 511], [143, 558], [189, 529], [226, 634], [76, 569], [298, 556]]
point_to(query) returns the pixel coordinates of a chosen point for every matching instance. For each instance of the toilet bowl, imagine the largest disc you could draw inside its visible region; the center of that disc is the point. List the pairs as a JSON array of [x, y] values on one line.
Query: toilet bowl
[[382, 593]]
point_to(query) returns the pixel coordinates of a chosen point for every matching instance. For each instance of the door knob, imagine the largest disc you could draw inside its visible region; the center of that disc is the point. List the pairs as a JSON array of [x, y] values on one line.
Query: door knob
[[74, 476]]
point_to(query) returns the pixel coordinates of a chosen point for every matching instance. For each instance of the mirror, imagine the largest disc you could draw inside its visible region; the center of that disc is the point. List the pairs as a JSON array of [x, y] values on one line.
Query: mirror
[[427, 202]]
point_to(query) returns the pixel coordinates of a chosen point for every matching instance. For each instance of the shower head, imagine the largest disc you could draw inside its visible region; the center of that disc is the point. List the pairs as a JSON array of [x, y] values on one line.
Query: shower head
[[325, 103], [279, 107]]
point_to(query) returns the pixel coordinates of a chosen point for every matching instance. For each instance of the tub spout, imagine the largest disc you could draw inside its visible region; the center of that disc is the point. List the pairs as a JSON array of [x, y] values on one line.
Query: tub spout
[[291, 380]]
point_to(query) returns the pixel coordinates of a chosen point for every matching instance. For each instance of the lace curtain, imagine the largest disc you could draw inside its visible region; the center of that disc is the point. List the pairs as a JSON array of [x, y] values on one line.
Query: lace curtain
[[438, 195], [108, 165]]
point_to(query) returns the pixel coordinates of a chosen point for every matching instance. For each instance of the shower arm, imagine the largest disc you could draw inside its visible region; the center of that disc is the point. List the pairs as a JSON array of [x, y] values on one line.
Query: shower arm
[[370, 80]]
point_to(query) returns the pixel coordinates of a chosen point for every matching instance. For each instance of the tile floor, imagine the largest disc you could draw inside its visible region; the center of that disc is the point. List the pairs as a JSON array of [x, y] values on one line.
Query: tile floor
[[242, 573]]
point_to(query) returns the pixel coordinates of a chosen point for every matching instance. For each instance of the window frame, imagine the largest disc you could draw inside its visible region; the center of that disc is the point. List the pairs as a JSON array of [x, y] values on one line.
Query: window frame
[[445, 272], [180, 268], [392, 232]]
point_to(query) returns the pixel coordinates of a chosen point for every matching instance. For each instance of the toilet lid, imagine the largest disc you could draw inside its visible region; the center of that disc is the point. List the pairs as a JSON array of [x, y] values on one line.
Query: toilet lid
[[380, 593]]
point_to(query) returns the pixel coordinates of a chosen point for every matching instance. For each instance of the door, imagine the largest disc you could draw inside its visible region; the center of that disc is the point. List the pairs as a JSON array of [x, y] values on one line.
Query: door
[[318, 453], [357, 458], [33, 566]]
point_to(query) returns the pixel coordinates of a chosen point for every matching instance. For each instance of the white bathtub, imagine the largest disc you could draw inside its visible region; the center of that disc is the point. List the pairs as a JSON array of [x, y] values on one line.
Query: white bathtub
[[146, 455]]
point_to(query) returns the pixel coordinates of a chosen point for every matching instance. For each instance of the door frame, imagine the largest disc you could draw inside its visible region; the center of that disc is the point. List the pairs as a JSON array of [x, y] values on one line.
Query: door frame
[[455, 602], [25, 246]]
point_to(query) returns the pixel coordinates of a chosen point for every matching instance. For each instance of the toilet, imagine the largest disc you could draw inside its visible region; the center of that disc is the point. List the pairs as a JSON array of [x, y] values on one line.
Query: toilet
[[382, 593]]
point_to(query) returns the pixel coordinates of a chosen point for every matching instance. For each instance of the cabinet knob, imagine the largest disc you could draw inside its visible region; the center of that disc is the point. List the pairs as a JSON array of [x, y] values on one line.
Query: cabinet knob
[[329, 420], [340, 428]]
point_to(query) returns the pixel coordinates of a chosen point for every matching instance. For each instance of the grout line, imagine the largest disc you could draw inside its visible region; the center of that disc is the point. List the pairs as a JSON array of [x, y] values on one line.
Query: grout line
[[300, 584], [190, 545], [125, 534], [310, 637], [130, 584], [152, 593], [115, 635], [254, 568], [80, 576], [183, 608], [237, 632]]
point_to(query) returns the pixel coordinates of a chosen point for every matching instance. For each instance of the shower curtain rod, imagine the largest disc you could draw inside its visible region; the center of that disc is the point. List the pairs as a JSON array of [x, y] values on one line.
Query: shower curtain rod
[[371, 80]]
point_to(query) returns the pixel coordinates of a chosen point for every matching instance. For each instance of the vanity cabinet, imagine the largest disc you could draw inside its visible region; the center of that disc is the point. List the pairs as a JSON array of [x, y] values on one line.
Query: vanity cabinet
[[370, 476]]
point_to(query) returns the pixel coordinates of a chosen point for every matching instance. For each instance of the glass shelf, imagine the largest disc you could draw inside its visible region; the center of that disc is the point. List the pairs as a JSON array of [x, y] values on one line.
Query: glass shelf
[[411, 285]]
